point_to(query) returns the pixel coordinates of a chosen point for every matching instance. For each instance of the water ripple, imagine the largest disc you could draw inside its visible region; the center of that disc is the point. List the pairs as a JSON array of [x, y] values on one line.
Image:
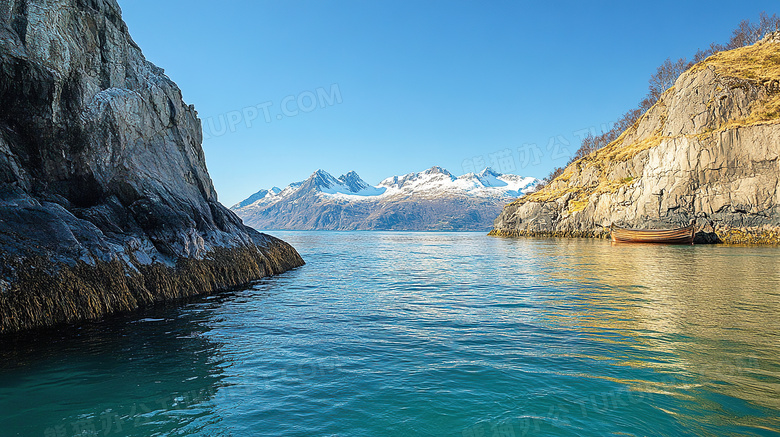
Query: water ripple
[[428, 334]]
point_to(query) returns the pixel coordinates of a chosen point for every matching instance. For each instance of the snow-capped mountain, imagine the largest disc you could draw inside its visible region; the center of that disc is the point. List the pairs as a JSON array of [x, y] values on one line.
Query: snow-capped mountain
[[437, 181], [433, 199]]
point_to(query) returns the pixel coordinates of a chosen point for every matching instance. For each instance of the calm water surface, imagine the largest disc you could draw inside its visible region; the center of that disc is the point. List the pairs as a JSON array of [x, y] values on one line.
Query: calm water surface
[[452, 334]]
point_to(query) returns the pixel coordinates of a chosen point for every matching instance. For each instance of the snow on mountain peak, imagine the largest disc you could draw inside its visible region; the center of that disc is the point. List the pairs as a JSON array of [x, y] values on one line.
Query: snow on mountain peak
[[321, 178], [435, 175], [431, 183], [437, 170], [488, 172], [251, 199], [354, 182], [345, 185]]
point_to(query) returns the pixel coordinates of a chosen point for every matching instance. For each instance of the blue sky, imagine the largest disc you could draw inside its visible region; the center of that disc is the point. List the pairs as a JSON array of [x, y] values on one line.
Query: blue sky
[[391, 87]]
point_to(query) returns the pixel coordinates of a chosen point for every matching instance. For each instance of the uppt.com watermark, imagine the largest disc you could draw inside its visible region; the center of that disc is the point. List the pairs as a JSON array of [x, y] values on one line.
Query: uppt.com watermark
[[559, 148], [267, 112]]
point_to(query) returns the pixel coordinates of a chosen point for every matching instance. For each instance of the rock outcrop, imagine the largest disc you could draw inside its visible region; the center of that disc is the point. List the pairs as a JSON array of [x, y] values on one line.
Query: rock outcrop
[[105, 201], [707, 152]]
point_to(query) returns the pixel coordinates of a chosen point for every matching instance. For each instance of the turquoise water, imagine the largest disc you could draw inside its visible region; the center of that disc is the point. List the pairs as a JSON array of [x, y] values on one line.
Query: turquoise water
[[452, 334]]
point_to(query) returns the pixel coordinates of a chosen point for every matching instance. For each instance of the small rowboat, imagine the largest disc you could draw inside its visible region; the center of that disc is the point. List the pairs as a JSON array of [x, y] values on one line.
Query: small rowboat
[[664, 236]]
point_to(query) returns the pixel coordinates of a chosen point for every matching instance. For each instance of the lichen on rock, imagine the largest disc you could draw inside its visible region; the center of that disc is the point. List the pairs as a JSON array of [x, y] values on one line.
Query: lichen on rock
[[105, 200]]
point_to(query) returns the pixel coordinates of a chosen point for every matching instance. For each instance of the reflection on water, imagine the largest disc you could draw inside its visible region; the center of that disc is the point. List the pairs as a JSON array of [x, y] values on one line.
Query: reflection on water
[[154, 373], [429, 334], [708, 309]]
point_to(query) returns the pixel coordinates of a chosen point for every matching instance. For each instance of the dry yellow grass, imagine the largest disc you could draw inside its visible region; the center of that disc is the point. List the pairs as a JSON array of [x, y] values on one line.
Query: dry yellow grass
[[612, 186], [619, 153], [761, 111], [578, 205], [756, 62], [546, 194], [605, 186]]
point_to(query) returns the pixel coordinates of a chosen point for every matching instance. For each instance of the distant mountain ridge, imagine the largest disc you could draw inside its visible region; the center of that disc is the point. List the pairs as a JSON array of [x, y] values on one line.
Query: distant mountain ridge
[[433, 199]]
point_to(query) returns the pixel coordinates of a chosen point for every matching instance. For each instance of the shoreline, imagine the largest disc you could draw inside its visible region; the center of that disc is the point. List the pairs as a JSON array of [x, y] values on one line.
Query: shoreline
[[46, 294], [757, 236]]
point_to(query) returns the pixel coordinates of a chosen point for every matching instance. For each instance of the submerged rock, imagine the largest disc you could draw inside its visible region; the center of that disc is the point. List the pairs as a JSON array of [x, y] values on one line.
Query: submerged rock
[[105, 200], [708, 152]]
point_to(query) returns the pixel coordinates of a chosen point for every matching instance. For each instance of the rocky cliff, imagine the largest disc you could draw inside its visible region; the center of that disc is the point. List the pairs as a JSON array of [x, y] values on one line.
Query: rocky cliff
[[707, 152], [105, 201]]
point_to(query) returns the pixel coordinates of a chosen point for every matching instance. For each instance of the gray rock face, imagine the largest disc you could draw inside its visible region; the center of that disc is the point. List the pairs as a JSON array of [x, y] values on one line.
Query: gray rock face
[[432, 200], [100, 159], [707, 152]]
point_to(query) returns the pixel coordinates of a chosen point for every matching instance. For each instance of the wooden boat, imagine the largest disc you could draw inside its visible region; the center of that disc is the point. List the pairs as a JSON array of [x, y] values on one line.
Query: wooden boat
[[664, 236]]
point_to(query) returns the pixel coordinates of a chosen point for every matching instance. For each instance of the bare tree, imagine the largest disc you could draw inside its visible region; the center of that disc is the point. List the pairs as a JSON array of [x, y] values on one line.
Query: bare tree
[[589, 144], [704, 54], [748, 33], [743, 35], [767, 24], [664, 77], [554, 174]]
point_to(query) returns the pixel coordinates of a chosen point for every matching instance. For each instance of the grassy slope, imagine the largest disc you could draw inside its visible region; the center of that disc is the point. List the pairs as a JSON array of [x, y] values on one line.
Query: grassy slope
[[759, 63]]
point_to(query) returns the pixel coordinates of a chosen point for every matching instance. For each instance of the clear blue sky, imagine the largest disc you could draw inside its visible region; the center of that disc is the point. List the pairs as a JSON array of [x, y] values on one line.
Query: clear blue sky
[[405, 85]]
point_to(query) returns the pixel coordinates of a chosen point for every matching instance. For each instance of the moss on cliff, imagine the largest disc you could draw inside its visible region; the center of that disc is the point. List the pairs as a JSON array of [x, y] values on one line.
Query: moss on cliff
[[514, 233], [44, 294], [750, 236]]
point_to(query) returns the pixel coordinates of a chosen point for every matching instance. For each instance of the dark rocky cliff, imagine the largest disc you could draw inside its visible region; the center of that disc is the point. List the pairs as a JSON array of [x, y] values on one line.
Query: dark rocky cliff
[[105, 200], [708, 152]]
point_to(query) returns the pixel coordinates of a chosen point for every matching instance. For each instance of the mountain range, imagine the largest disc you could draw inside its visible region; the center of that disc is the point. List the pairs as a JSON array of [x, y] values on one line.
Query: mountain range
[[433, 199]]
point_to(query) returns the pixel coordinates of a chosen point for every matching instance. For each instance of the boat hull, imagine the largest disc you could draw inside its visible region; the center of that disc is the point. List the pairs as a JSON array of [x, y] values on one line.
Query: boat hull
[[659, 236]]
